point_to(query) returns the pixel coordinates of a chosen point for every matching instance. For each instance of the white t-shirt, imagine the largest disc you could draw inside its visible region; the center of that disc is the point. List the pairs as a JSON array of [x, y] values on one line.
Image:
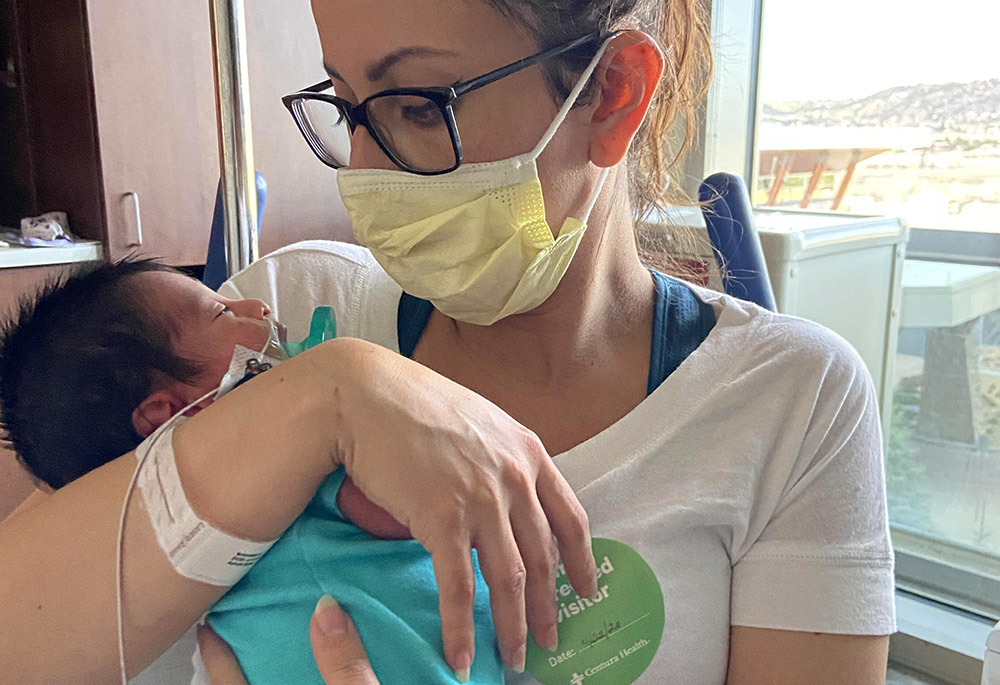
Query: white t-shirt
[[750, 481]]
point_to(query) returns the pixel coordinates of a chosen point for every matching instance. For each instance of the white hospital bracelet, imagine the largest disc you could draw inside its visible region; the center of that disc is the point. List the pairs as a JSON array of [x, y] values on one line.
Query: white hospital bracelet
[[195, 548]]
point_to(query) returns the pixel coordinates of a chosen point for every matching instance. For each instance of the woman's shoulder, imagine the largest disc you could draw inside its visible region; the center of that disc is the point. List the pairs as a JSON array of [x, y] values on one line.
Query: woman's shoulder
[[753, 338]]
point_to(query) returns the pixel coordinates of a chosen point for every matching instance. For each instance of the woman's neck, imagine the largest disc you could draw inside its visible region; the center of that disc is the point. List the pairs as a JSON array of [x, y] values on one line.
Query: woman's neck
[[602, 308]]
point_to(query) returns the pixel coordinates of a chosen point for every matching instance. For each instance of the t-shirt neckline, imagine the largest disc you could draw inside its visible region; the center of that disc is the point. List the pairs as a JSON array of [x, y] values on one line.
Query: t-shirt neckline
[[678, 397]]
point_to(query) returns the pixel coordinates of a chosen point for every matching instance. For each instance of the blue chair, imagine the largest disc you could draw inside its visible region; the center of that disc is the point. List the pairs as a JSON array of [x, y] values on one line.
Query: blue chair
[[215, 262], [729, 218]]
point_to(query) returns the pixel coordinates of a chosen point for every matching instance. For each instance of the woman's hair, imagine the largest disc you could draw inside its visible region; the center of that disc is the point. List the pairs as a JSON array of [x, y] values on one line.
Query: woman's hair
[[682, 29]]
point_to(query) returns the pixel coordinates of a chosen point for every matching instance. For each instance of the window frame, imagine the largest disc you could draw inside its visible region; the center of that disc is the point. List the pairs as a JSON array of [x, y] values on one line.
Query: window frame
[[939, 569]]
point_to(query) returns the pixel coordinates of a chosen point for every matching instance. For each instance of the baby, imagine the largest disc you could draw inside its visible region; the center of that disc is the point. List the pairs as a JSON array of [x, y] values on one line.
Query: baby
[[98, 362]]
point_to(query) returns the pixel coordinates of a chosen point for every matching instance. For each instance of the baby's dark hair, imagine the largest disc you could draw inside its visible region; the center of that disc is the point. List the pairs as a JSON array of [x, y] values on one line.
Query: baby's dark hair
[[75, 362]]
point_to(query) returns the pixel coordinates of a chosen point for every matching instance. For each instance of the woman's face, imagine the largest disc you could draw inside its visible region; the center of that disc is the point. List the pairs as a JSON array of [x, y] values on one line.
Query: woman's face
[[372, 45]]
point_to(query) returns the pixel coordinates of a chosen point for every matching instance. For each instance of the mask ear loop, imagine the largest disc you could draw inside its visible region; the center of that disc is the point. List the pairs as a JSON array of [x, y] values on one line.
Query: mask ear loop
[[119, 581], [571, 98], [585, 216], [567, 105]]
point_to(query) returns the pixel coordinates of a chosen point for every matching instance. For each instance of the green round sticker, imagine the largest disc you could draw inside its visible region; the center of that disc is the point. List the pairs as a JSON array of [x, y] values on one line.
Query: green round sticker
[[612, 637]]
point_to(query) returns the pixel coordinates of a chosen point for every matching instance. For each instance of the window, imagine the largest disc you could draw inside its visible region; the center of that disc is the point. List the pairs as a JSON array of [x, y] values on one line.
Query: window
[[878, 107]]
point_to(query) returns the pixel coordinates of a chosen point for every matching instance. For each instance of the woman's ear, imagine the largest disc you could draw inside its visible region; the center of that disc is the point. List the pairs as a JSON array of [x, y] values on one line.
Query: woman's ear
[[156, 410], [628, 77]]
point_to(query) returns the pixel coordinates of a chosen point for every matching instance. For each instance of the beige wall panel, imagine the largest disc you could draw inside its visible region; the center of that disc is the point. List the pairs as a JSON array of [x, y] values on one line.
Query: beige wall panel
[[285, 56]]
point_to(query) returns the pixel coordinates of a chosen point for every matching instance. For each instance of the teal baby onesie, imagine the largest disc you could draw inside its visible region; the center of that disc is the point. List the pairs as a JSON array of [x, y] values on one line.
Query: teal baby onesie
[[387, 587]]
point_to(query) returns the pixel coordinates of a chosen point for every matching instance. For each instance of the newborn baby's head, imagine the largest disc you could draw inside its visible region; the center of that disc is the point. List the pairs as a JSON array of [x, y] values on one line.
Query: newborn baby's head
[[99, 360]]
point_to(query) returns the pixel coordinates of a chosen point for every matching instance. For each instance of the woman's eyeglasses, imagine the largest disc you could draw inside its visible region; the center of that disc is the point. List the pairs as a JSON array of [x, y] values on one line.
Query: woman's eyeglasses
[[414, 127]]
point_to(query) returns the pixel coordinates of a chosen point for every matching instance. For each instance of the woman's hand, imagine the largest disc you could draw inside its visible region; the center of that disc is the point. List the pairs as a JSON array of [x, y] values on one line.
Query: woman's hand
[[335, 642], [462, 474]]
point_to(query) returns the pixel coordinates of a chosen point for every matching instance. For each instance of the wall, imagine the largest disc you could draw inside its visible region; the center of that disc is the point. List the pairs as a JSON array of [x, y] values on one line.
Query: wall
[[285, 56]]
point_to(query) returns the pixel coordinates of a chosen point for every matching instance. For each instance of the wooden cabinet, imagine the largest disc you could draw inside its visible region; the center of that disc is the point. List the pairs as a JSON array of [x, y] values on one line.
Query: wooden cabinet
[[156, 124], [106, 107], [50, 158], [116, 116]]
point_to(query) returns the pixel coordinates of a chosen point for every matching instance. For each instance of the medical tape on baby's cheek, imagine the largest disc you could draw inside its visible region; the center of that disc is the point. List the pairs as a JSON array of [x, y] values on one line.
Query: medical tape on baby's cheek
[[195, 548]]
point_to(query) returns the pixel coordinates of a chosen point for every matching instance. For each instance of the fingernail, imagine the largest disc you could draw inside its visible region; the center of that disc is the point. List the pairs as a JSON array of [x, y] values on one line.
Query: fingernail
[[552, 639], [464, 670], [519, 659], [330, 618]]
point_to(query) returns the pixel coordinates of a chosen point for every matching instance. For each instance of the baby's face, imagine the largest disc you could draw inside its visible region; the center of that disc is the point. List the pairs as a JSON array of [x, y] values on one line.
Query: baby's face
[[206, 327]]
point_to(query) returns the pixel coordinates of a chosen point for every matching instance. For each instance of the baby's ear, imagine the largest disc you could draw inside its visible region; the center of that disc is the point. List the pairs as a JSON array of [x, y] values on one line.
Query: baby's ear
[[155, 410]]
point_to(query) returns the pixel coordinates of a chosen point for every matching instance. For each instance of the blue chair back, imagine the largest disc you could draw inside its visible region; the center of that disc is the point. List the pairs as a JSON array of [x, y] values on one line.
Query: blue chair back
[[729, 218], [215, 262]]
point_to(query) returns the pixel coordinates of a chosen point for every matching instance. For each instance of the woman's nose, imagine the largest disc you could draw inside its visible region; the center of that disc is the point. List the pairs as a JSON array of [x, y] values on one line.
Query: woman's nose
[[366, 153]]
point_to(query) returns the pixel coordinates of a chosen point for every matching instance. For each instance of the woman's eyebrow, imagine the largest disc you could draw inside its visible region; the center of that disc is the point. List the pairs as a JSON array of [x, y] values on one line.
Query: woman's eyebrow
[[333, 73], [378, 70]]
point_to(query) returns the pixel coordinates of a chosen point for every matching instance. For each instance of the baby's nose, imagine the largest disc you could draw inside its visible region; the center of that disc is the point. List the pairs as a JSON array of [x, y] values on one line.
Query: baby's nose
[[256, 309]]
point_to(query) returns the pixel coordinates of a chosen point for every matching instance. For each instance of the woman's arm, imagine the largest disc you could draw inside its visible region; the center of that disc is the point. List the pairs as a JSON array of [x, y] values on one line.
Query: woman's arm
[[57, 559], [441, 459], [822, 563], [759, 656]]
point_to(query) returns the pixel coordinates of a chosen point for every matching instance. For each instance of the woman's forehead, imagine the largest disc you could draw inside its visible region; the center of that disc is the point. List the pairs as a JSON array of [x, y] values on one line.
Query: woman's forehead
[[358, 35]]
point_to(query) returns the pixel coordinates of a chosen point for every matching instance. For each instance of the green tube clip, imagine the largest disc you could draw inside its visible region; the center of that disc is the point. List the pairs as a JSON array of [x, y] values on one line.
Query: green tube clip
[[322, 328]]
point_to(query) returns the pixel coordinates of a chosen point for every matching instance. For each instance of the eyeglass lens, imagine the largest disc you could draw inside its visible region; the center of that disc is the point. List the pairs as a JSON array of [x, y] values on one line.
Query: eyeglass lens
[[413, 127], [326, 129]]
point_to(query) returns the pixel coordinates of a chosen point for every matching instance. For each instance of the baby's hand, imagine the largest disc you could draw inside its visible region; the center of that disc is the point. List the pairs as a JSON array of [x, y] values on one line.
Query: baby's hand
[[367, 515]]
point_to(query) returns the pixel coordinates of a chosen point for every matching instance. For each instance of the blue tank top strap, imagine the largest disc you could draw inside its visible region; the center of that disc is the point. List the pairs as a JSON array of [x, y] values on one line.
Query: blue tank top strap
[[411, 319], [681, 322]]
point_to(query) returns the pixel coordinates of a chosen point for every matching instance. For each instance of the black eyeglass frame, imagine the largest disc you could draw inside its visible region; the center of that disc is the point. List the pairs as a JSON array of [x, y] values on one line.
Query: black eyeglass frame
[[442, 96]]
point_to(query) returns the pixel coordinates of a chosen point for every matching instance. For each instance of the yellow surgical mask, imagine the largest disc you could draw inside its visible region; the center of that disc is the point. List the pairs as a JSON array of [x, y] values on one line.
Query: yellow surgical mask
[[474, 241]]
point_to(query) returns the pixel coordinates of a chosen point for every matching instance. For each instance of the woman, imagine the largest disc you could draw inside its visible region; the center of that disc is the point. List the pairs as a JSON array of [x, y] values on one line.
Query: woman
[[736, 452], [750, 478]]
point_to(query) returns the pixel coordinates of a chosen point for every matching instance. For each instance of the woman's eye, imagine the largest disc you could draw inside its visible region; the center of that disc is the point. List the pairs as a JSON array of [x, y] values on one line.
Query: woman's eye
[[222, 311], [425, 115]]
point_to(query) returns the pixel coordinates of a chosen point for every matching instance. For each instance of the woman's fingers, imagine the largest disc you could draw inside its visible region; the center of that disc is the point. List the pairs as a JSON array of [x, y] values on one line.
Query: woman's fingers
[[457, 593], [337, 646], [220, 662], [571, 527], [460, 472], [540, 554], [505, 574]]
